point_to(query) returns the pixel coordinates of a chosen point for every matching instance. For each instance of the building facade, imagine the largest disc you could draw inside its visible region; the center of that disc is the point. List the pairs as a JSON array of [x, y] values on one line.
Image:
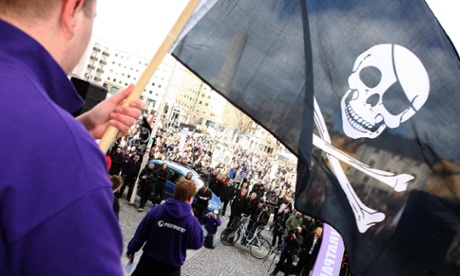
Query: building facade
[[173, 92]]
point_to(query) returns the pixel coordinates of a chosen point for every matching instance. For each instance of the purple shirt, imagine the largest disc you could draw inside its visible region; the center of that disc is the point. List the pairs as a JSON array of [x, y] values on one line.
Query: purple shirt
[[56, 214], [167, 231]]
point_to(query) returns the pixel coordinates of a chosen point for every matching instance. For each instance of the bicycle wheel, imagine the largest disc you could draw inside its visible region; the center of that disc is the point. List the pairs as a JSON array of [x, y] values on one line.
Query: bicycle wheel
[[260, 248], [229, 236]]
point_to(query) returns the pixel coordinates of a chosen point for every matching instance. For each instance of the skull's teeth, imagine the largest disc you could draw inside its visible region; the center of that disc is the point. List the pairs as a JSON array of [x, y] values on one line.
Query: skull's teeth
[[357, 121]]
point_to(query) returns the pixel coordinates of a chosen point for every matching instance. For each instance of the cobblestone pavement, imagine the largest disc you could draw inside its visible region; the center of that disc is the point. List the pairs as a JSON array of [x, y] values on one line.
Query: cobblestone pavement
[[221, 261]]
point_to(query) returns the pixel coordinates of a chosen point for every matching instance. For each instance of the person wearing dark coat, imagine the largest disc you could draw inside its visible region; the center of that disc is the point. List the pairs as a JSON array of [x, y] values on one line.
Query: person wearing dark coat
[[251, 205], [205, 175], [309, 225], [130, 174], [227, 193], [213, 180], [125, 160], [292, 247], [117, 160], [238, 203], [259, 217], [309, 252], [220, 183], [204, 194], [146, 182], [259, 189], [162, 176], [279, 227]]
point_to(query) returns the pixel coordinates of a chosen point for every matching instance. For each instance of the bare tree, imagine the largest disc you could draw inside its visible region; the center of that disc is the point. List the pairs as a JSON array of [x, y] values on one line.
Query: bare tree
[[244, 124]]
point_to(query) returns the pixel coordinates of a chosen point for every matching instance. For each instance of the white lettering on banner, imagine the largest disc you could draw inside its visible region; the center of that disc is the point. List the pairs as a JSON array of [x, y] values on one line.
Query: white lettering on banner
[[171, 226], [328, 268], [334, 240], [327, 271]]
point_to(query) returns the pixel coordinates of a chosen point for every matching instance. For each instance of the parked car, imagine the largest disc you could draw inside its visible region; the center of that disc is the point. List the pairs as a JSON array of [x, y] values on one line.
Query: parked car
[[177, 170]]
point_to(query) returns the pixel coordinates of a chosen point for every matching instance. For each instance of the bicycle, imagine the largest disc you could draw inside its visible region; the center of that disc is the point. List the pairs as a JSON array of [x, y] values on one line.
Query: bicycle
[[258, 245]]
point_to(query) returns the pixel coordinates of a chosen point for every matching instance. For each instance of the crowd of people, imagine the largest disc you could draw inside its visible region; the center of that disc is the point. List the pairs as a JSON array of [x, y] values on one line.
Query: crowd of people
[[246, 183]]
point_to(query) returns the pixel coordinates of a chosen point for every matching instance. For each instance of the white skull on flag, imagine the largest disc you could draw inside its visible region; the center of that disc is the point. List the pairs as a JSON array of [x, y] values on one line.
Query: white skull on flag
[[388, 85]]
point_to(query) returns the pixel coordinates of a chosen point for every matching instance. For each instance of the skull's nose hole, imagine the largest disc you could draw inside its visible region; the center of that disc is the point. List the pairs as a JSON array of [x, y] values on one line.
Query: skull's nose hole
[[373, 100]]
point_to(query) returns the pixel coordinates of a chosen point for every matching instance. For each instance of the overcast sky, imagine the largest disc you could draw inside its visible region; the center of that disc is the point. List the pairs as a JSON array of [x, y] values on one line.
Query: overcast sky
[[139, 25], [142, 25]]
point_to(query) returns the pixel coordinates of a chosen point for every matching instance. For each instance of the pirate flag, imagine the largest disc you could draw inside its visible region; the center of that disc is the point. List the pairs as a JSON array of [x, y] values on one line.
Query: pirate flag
[[365, 93], [146, 130]]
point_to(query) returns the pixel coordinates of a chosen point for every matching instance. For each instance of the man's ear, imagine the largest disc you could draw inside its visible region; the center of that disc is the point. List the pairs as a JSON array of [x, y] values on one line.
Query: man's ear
[[69, 12]]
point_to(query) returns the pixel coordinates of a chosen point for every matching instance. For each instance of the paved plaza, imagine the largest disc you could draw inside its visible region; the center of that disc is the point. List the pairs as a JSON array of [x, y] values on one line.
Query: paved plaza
[[223, 260]]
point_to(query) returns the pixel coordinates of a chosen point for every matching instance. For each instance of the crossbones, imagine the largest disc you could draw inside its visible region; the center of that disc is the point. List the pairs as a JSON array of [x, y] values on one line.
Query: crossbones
[[384, 78]]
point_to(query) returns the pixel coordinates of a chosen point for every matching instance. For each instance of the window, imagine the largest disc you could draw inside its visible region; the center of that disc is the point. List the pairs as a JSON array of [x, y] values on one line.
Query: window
[[113, 90], [173, 175]]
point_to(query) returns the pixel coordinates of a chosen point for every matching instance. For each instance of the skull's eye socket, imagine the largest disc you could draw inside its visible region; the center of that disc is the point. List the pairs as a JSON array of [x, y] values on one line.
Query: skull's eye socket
[[370, 76], [395, 100]]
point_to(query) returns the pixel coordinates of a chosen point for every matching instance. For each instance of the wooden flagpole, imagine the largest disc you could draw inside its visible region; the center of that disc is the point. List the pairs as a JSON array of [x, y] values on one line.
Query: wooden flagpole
[[151, 68]]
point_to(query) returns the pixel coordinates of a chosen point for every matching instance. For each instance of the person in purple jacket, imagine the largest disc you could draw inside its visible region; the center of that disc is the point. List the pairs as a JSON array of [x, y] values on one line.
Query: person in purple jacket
[[167, 231], [56, 214], [211, 222]]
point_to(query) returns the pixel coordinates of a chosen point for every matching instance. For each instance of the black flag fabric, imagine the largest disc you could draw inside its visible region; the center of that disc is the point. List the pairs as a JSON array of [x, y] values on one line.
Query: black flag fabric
[[365, 93], [145, 132]]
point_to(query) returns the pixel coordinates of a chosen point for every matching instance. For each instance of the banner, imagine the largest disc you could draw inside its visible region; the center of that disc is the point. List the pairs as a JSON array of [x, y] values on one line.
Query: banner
[[329, 259]]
